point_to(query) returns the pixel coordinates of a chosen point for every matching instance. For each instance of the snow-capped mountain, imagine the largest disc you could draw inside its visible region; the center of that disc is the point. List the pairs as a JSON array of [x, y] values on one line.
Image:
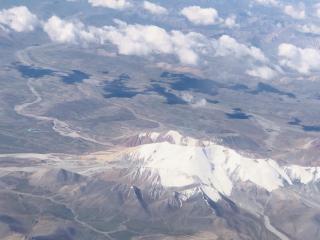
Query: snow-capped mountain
[[159, 178], [183, 161]]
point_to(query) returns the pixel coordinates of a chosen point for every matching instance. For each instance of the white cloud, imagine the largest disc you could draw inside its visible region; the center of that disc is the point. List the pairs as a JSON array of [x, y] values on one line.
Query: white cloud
[[228, 46], [60, 31], [207, 16], [296, 12], [263, 72], [267, 2], [303, 60], [182, 69], [193, 101], [317, 9], [309, 28], [201, 16], [19, 19], [67, 32], [230, 22], [114, 4], [154, 8]]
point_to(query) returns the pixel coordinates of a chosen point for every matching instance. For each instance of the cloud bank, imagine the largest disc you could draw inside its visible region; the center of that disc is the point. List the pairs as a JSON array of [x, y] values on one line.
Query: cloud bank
[[144, 40], [130, 39], [189, 48]]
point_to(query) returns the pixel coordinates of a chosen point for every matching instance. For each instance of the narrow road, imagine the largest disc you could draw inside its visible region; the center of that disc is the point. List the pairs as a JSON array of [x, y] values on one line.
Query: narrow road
[[268, 224], [273, 230], [61, 127]]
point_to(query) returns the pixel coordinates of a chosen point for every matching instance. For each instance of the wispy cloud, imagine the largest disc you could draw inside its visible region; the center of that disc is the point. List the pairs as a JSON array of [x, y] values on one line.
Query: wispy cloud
[[114, 4], [263, 72], [154, 8]]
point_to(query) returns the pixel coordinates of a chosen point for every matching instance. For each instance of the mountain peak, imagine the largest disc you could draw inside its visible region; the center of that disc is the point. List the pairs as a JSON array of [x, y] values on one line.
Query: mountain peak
[[172, 136]]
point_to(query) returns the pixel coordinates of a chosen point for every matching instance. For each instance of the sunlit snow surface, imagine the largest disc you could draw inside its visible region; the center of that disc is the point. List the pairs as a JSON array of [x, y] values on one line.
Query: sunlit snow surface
[[182, 161]]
